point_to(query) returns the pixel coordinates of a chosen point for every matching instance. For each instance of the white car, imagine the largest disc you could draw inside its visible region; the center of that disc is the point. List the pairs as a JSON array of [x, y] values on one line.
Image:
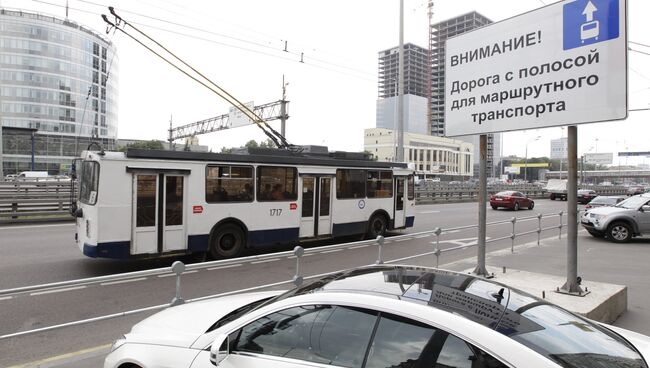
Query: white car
[[375, 317]]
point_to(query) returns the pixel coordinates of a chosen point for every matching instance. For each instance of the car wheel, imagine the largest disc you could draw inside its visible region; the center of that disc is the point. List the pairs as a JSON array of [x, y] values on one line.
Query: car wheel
[[495, 207], [619, 232], [227, 242], [552, 197], [516, 208], [377, 226], [531, 205]]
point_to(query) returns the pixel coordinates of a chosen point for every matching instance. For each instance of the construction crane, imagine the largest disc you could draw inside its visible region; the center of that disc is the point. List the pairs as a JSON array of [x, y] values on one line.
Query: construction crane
[[169, 57]]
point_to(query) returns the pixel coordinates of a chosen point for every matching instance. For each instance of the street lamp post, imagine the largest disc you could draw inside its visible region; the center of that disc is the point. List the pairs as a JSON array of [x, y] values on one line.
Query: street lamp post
[[526, 160]]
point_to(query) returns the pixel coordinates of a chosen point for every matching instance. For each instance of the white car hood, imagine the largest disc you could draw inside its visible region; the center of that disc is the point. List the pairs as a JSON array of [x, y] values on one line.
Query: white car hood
[[182, 325], [605, 210]]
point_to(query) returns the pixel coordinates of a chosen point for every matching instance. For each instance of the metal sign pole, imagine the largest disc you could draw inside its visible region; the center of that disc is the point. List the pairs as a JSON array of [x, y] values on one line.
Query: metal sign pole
[[482, 208], [571, 286]]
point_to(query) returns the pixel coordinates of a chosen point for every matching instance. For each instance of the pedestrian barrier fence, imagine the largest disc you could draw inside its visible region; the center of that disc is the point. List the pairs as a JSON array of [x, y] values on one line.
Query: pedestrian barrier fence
[[178, 268]]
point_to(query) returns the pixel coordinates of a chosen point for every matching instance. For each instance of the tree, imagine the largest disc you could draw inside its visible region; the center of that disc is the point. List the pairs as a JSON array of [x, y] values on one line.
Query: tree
[[251, 144], [147, 145]]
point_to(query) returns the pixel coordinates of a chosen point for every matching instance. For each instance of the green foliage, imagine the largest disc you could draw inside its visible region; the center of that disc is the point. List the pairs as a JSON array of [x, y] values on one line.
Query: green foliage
[[147, 145]]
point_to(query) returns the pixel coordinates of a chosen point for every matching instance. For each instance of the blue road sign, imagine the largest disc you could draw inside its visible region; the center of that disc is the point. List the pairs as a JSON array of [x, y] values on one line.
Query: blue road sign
[[587, 22]]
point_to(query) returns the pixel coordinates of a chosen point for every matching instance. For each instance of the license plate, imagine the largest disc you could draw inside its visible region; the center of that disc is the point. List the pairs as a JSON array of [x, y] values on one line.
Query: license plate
[[498, 199]]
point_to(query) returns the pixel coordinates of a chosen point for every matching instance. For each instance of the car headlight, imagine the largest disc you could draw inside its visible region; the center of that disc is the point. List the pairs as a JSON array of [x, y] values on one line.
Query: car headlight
[[598, 218], [117, 343]]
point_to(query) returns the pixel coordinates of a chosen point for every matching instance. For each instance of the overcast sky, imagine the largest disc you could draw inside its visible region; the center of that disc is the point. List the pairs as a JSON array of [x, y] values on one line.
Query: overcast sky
[[239, 45]]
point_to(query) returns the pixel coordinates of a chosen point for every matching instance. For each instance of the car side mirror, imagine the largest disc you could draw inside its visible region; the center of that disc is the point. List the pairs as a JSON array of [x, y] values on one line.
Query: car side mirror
[[219, 349], [645, 208]]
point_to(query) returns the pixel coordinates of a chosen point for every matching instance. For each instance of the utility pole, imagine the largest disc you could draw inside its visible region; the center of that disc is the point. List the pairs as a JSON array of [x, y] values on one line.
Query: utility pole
[[400, 95], [283, 108], [171, 140]]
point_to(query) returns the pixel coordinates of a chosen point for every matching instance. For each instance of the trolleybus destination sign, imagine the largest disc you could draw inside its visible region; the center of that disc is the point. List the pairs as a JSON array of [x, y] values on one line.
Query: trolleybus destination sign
[[563, 64]]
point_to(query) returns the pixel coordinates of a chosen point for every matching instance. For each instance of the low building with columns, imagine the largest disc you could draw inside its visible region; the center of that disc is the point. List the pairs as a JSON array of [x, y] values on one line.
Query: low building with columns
[[449, 159]]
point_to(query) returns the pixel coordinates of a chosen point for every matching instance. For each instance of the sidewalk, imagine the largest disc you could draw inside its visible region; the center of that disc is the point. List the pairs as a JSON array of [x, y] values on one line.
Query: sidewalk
[[599, 260]]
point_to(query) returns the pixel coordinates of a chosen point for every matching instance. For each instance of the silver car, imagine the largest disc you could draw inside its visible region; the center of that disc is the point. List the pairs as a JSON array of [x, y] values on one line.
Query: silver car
[[621, 222]]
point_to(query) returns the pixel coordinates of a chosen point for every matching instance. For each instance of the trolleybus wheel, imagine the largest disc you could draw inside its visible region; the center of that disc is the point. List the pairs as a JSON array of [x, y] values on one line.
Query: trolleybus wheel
[[227, 242], [377, 226]]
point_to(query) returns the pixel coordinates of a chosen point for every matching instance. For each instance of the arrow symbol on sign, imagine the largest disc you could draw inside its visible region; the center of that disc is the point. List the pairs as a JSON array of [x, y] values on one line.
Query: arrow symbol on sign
[[589, 11]]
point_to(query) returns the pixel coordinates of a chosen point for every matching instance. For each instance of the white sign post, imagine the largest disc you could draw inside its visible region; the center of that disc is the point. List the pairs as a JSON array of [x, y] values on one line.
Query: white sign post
[[236, 118], [562, 64]]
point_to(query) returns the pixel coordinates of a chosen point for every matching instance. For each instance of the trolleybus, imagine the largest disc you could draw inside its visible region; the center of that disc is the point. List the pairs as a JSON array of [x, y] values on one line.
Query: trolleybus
[[150, 203]]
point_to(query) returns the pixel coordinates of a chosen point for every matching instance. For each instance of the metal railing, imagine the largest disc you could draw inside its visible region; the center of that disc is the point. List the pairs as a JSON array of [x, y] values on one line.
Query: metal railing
[[179, 268], [22, 201]]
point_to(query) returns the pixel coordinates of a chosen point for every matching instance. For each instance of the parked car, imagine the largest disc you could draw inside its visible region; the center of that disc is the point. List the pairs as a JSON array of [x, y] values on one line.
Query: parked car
[[601, 201], [620, 223], [378, 316], [586, 195], [512, 200], [11, 177], [634, 190]]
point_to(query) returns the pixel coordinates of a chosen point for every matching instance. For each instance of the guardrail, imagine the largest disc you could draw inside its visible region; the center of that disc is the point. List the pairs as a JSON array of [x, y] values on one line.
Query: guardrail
[[31, 201], [441, 192], [179, 268]]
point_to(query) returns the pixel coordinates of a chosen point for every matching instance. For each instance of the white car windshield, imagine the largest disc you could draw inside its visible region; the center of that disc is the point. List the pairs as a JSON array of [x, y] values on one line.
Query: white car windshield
[[633, 203]]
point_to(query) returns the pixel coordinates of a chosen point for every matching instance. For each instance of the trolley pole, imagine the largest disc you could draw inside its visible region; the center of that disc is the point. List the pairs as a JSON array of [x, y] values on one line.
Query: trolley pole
[[482, 215]]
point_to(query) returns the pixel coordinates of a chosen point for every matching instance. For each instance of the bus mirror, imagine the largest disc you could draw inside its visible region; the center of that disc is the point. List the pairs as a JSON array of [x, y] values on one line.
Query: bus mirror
[[219, 349]]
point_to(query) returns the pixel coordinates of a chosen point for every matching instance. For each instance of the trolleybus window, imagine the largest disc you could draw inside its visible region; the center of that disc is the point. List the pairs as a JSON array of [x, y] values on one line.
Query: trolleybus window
[[380, 184], [225, 183], [325, 197], [89, 182], [411, 188], [350, 183], [174, 200], [146, 200], [276, 183]]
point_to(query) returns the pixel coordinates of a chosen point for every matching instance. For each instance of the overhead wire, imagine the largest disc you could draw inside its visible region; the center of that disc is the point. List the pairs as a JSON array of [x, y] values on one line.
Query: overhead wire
[[277, 138], [307, 60]]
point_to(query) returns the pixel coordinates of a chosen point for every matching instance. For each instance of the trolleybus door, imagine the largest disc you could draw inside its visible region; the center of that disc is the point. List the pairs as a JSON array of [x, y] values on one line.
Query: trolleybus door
[[145, 214], [316, 203], [399, 214], [159, 216]]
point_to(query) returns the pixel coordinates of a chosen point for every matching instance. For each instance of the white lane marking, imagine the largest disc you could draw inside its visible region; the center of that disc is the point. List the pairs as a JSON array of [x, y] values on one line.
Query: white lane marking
[[401, 240], [173, 274], [331, 251], [449, 232], [122, 281], [308, 254], [6, 297], [74, 355], [222, 267], [57, 290], [266, 261], [359, 246], [425, 212], [34, 226], [422, 236], [463, 242]]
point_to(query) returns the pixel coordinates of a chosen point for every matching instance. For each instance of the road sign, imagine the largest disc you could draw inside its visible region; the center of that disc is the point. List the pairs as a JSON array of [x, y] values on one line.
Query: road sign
[[236, 118], [512, 170], [598, 158], [563, 64], [633, 154]]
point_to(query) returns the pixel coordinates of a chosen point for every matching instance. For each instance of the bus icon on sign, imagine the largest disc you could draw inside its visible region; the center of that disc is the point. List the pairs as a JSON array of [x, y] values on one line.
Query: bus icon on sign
[[589, 30], [589, 21]]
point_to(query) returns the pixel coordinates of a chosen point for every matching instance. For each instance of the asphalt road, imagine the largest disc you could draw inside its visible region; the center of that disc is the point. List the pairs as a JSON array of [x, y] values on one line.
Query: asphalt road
[[47, 253]]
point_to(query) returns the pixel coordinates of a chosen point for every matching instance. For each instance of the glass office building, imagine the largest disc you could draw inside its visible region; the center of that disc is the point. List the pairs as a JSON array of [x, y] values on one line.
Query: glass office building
[[58, 80]]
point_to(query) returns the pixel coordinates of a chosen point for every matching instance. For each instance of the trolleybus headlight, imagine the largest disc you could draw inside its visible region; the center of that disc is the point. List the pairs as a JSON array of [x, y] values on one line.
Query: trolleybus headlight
[[117, 343]]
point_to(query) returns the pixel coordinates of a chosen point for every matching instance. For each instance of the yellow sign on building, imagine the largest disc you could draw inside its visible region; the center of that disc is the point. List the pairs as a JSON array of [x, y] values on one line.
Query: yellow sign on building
[[532, 164]]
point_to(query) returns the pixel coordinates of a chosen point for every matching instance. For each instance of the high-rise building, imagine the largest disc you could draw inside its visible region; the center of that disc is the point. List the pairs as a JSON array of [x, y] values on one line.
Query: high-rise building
[[415, 89], [58, 79], [440, 32]]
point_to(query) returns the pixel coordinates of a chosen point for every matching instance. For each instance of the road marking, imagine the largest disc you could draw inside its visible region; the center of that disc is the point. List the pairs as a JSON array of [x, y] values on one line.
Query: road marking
[[222, 267], [63, 356], [462, 242], [331, 251], [57, 290], [34, 226], [449, 232], [122, 281], [266, 261], [422, 236], [424, 212], [359, 246], [6, 297], [173, 274], [401, 240]]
